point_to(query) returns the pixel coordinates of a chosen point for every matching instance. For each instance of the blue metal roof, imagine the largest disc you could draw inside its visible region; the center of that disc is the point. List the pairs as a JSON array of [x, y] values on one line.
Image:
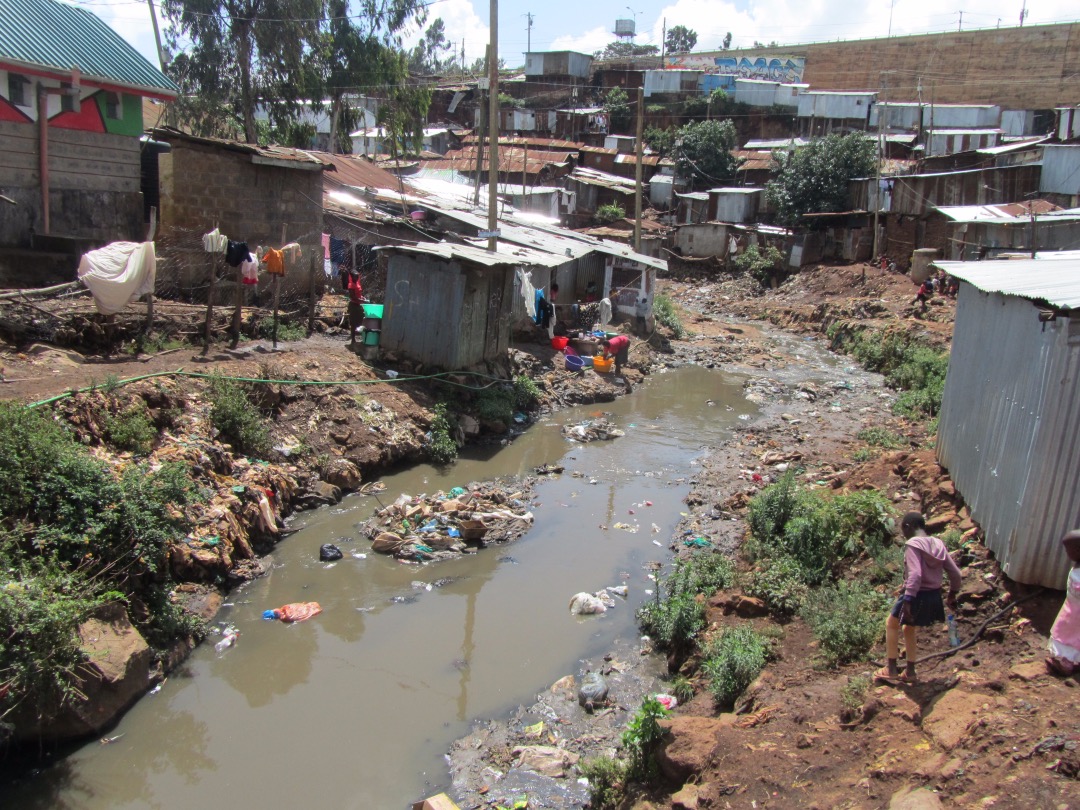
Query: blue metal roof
[[57, 36]]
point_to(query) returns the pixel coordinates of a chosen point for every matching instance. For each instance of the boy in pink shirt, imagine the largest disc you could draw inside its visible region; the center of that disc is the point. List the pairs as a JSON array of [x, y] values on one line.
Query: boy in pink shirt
[[926, 561]]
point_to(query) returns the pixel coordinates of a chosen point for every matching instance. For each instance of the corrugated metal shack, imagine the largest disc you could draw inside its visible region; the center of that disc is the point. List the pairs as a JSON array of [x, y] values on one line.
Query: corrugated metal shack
[[446, 305], [558, 64], [1011, 410], [672, 82], [987, 230], [1061, 173]]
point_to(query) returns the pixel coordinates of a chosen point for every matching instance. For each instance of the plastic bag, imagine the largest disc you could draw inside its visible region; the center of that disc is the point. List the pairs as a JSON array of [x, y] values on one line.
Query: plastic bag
[[295, 612], [582, 604]]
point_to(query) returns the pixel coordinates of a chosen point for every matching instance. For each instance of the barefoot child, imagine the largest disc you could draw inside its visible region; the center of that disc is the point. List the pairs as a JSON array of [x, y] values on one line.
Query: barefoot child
[[925, 561], [1065, 634]]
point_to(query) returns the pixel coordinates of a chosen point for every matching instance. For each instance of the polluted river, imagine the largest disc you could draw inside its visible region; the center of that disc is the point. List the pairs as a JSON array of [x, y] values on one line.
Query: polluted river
[[359, 705]]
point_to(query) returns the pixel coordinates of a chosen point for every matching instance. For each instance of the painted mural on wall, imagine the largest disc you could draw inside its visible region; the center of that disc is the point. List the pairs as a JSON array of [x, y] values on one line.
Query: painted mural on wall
[[97, 111], [787, 69]]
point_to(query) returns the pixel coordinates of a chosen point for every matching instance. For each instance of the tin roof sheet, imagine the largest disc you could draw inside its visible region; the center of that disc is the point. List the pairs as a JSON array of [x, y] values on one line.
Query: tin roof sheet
[[59, 37], [284, 156], [344, 170], [1054, 280], [1003, 213], [1013, 146], [471, 253]]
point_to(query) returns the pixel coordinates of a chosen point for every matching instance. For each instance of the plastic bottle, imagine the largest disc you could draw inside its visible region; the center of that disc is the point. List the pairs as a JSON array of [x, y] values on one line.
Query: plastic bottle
[[226, 642], [954, 634]]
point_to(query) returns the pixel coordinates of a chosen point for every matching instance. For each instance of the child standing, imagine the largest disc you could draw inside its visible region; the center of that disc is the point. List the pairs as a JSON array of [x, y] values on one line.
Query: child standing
[[926, 559], [1065, 634]]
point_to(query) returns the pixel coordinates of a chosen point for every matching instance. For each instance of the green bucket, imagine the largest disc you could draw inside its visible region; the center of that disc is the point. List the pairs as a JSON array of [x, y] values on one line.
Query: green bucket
[[371, 337], [373, 310]]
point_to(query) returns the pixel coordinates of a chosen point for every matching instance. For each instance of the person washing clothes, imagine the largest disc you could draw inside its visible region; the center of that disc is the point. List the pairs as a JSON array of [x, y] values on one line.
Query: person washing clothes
[[356, 305], [926, 560], [619, 348], [1064, 656]]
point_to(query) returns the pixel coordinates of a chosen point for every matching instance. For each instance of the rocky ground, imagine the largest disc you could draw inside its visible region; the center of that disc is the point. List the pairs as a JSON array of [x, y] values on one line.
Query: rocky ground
[[982, 729]]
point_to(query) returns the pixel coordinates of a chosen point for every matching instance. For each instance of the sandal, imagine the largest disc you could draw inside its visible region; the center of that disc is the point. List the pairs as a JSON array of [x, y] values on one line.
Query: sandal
[[901, 677]]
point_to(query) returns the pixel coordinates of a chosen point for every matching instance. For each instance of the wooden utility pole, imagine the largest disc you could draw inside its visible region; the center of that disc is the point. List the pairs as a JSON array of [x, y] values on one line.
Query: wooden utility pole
[[277, 285], [637, 170], [877, 175], [493, 124]]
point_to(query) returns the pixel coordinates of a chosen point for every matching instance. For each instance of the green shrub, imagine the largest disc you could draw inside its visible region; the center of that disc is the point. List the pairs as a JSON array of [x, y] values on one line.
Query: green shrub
[[526, 392], [131, 429], [781, 582], [609, 213], [865, 454], [847, 620], [880, 437], [664, 314], [40, 611], [643, 733], [441, 447], [494, 404], [733, 661], [815, 528], [674, 622], [607, 782], [763, 265], [235, 417], [953, 539]]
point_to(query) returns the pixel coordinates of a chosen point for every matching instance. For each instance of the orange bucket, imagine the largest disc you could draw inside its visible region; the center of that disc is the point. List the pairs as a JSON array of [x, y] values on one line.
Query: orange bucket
[[603, 365]]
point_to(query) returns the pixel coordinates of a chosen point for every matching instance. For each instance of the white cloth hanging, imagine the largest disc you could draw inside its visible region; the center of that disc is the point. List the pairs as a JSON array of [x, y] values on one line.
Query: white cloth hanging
[[528, 292], [119, 273], [215, 241], [605, 312], [249, 271]]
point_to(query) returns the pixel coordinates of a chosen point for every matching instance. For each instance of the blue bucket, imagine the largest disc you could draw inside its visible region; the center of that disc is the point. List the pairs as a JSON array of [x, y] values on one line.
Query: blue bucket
[[574, 363]]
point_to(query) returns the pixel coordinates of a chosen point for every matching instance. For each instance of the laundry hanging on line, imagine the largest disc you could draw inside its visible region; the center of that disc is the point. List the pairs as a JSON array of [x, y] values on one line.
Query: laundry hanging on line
[[118, 274], [215, 241]]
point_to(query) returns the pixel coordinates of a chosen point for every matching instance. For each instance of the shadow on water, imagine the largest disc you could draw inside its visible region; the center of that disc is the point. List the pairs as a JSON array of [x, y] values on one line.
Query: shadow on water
[[358, 705]]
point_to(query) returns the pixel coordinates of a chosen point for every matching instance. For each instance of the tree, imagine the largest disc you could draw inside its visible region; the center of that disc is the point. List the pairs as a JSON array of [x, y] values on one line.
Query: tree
[[661, 141], [356, 55], [815, 178], [726, 44], [680, 39], [773, 44], [238, 51], [626, 50], [617, 107], [703, 150], [426, 57]]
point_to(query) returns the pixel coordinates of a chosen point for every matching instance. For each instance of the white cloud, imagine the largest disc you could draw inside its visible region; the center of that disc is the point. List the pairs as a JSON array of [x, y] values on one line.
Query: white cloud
[[588, 42], [461, 23]]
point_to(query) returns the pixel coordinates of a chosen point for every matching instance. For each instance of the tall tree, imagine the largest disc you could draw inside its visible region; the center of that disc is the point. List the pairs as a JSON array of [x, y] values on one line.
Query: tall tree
[[680, 39], [358, 56], [238, 51], [617, 107], [703, 150], [427, 56], [815, 178]]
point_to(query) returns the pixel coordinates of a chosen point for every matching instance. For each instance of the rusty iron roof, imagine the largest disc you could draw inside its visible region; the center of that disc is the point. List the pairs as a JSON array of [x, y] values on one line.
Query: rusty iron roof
[[345, 170], [284, 156], [552, 144]]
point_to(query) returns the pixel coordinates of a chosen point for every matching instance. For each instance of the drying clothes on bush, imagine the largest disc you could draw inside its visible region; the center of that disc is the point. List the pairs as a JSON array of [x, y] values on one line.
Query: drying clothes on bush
[[236, 253], [119, 273], [215, 241], [249, 270], [296, 612]]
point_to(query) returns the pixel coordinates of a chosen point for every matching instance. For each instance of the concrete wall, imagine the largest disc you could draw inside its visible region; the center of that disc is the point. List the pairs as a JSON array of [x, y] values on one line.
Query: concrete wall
[[93, 185], [203, 186]]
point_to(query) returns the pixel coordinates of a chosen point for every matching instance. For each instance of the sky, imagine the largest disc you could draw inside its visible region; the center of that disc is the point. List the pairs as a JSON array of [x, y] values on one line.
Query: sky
[[587, 25]]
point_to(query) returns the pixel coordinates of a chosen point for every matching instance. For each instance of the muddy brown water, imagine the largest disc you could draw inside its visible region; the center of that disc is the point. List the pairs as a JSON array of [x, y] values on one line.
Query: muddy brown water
[[356, 707]]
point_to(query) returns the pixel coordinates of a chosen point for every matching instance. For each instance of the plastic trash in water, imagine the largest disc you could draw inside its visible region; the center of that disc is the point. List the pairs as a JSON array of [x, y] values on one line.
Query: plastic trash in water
[[954, 632], [227, 641], [391, 374], [669, 702], [453, 532], [457, 492]]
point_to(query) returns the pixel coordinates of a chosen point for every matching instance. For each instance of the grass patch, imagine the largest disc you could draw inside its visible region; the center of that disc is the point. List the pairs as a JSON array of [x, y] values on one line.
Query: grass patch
[[853, 695], [781, 583], [236, 418], [880, 437], [287, 331], [665, 315], [733, 661], [131, 429], [909, 364], [607, 781], [847, 619]]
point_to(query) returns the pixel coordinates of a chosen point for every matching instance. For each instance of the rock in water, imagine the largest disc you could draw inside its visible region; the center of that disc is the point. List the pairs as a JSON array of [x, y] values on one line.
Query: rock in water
[[593, 691], [328, 552]]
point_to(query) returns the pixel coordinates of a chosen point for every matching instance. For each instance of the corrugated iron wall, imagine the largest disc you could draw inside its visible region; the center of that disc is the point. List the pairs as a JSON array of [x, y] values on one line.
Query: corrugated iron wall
[[1008, 431], [422, 312]]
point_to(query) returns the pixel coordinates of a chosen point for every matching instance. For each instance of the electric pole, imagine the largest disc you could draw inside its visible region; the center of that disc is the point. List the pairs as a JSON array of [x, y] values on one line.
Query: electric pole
[[637, 171], [528, 32], [157, 35], [493, 125], [663, 44], [877, 175], [1023, 13]]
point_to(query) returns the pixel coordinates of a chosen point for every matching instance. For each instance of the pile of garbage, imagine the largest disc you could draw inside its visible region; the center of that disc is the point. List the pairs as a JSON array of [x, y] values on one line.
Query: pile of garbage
[[443, 525], [592, 430]]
